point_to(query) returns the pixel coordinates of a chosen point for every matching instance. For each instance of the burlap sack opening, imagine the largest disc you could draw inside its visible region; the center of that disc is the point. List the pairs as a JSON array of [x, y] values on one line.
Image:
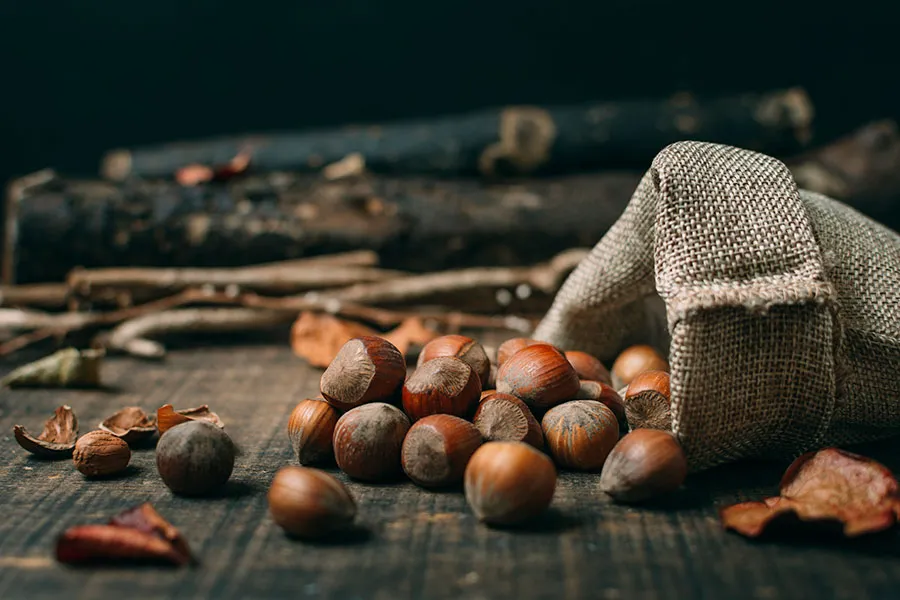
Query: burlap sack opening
[[782, 307]]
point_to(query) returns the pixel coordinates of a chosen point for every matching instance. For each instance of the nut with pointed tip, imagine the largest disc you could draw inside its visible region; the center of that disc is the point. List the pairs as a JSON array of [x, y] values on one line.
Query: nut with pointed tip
[[311, 428], [511, 346], [309, 503], [464, 348], [100, 454], [601, 392], [539, 375], [367, 441], [437, 449], [647, 401], [588, 367], [505, 418], [633, 361], [444, 385], [507, 483], [645, 463], [366, 369], [580, 434]]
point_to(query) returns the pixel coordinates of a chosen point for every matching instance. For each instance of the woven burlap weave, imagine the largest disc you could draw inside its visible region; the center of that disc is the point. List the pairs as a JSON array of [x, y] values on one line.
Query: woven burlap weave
[[782, 307]]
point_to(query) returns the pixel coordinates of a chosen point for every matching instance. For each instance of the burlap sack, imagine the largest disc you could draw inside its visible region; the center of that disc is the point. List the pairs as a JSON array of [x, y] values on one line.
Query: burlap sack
[[782, 308]]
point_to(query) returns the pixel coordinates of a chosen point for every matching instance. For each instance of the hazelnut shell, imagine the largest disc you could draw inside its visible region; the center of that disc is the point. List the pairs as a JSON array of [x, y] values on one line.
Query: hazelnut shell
[[437, 449], [366, 369], [368, 439], [309, 503], [645, 463], [464, 348], [580, 434], [539, 375]]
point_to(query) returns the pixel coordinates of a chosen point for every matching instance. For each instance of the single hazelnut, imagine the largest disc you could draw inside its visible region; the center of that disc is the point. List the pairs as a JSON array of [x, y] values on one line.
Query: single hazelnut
[[437, 449], [366, 369], [464, 348], [511, 346], [509, 482], [645, 463], [368, 439], [601, 392], [539, 375], [588, 367], [444, 385], [635, 360], [580, 434], [311, 428], [505, 418], [100, 454], [647, 401], [309, 503], [194, 458]]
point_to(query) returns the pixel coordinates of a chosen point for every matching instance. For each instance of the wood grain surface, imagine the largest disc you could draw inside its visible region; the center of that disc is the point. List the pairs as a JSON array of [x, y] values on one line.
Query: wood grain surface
[[410, 543]]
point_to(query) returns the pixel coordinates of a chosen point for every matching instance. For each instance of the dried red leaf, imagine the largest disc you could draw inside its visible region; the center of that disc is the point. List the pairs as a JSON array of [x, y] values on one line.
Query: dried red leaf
[[145, 518], [318, 337], [235, 166], [828, 487], [57, 440], [131, 424], [139, 533], [167, 417], [411, 332]]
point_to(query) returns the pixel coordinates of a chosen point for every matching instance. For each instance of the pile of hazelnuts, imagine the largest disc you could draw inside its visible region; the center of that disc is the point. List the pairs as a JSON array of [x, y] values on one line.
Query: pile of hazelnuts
[[501, 430]]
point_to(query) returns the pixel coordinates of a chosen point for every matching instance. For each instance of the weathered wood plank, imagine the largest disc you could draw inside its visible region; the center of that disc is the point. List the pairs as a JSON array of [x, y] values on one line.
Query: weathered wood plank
[[411, 543]]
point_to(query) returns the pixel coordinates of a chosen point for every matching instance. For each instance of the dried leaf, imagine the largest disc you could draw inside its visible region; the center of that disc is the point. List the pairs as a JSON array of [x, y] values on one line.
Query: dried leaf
[[136, 534], [57, 440], [145, 518], [352, 165], [131, 424], [167, 417], [828, 487], [318, 337], [191, 175], [67, 368], [412, 332]]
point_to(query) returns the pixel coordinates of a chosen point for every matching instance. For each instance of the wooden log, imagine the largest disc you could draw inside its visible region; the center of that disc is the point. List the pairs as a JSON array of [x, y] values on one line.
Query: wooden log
[[509, 140], [415, 224]]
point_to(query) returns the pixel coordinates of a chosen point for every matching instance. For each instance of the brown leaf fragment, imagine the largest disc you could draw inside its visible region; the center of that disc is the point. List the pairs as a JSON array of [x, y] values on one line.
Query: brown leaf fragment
[[57, 440], [317, 337], [67, 368], [411, 333], [824, 488], [131, 424], [145, 518], [167, 417]]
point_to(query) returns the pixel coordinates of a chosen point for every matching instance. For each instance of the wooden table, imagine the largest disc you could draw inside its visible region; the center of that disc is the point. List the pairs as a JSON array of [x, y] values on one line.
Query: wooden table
[[411, 543]]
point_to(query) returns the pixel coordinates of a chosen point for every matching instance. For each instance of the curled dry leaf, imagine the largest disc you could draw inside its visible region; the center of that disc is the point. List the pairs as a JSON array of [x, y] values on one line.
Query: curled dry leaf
[[318, 337], [57, 440], [827, 487], [167, 417], [139, 533], [67, 368], [131, 424], [412, 332]]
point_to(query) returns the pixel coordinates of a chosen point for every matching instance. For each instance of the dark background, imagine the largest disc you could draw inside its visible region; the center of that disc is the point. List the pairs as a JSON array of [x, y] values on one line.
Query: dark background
[[84, 76]]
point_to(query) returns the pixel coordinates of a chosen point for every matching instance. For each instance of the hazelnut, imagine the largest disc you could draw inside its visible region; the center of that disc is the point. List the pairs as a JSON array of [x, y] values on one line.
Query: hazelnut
[[310, 429], [588, 367], [309, 503], [601, 392], [635, 360], [368, 439], [100, 453], [539, 375], [505, 418], [510, 347], [366, 369], [647, 401], [464, 348], [509, 482], [437, 449], [645, 463], [444, 385], [194, 458], [580, 434]]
